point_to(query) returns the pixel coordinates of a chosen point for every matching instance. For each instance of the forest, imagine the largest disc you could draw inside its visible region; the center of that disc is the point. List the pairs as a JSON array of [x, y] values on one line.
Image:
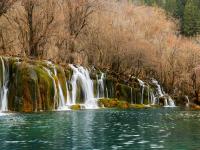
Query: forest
[[149, 39], [186, 11]]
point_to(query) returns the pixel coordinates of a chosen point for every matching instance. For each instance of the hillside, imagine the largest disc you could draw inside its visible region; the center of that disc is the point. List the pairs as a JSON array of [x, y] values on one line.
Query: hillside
[[121, 37]]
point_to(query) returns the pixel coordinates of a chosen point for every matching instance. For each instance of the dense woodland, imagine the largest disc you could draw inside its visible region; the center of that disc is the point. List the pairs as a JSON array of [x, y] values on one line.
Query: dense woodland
[[119, 36], [186, 11]]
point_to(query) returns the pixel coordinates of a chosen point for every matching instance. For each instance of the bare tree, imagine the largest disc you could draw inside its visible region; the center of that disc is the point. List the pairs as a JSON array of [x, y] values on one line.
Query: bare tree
[[35, 25], [76, 16], [5, 5]]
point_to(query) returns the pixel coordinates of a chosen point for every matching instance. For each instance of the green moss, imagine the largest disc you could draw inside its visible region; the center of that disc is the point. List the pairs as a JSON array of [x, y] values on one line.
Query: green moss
[[110, 86], [79, 93], [75, 107], [125, 92], [108, 103], [95, 85], [23, 93], [113, 103], [68, 73], [46, 89], [31, 88], [123, 105]]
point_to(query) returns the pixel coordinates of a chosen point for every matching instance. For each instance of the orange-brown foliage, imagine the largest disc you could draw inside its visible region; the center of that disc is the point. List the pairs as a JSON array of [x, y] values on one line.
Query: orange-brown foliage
[[134, 40]]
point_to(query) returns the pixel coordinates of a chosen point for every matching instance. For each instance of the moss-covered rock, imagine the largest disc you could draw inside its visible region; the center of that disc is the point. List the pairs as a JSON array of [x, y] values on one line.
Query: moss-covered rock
[[23, 93], [46, 90], [113, 103], [76, 107], [30, 88], [108, 103], [33, 86], [123, 105]]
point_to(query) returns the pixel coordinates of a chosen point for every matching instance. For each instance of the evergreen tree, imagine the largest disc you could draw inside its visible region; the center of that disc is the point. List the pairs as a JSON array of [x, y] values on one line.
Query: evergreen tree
[[187, 11], [179, 12], [191, 19]]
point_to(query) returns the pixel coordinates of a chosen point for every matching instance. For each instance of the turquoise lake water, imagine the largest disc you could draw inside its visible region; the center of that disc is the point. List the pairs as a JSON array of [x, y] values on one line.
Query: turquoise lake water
[[166, 128]]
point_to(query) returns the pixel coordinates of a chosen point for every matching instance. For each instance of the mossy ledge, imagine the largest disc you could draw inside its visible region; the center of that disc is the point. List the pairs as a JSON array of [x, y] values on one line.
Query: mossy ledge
[[121, 104], [33, 86]]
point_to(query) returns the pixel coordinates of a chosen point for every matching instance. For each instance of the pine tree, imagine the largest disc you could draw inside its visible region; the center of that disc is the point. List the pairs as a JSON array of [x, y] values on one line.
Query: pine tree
[[186, 11], [191, 19]]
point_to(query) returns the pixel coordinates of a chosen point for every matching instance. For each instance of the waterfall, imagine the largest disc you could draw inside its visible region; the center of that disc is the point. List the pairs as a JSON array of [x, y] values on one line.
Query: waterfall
[[100, 86], [153, 98], [54, 84], [188, 101], [82, 75], [4, 88], [171, 102], [60, 92], [107, 93], [61, 97], [159, 90], [131, 95], [168, 102], [64, 97], [143, 86]]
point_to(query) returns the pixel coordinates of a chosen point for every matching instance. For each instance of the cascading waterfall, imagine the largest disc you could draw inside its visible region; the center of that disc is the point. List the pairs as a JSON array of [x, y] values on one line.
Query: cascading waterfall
[[62, 103], [58, 92], [131, 95], [188, 101], [100, 86], [54, 84], [65, 97], [106, 92], [150, 95], [4, 88], [153, 98], [82, 75], [143, 86], [159, 90], [168, 102]]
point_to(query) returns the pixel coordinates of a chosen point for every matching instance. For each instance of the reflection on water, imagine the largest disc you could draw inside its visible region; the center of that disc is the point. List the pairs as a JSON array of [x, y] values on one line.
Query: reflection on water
[[102, 129]]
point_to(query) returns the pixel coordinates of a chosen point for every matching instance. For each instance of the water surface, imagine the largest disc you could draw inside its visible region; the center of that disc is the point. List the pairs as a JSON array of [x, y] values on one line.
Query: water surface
[[166, 128]]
